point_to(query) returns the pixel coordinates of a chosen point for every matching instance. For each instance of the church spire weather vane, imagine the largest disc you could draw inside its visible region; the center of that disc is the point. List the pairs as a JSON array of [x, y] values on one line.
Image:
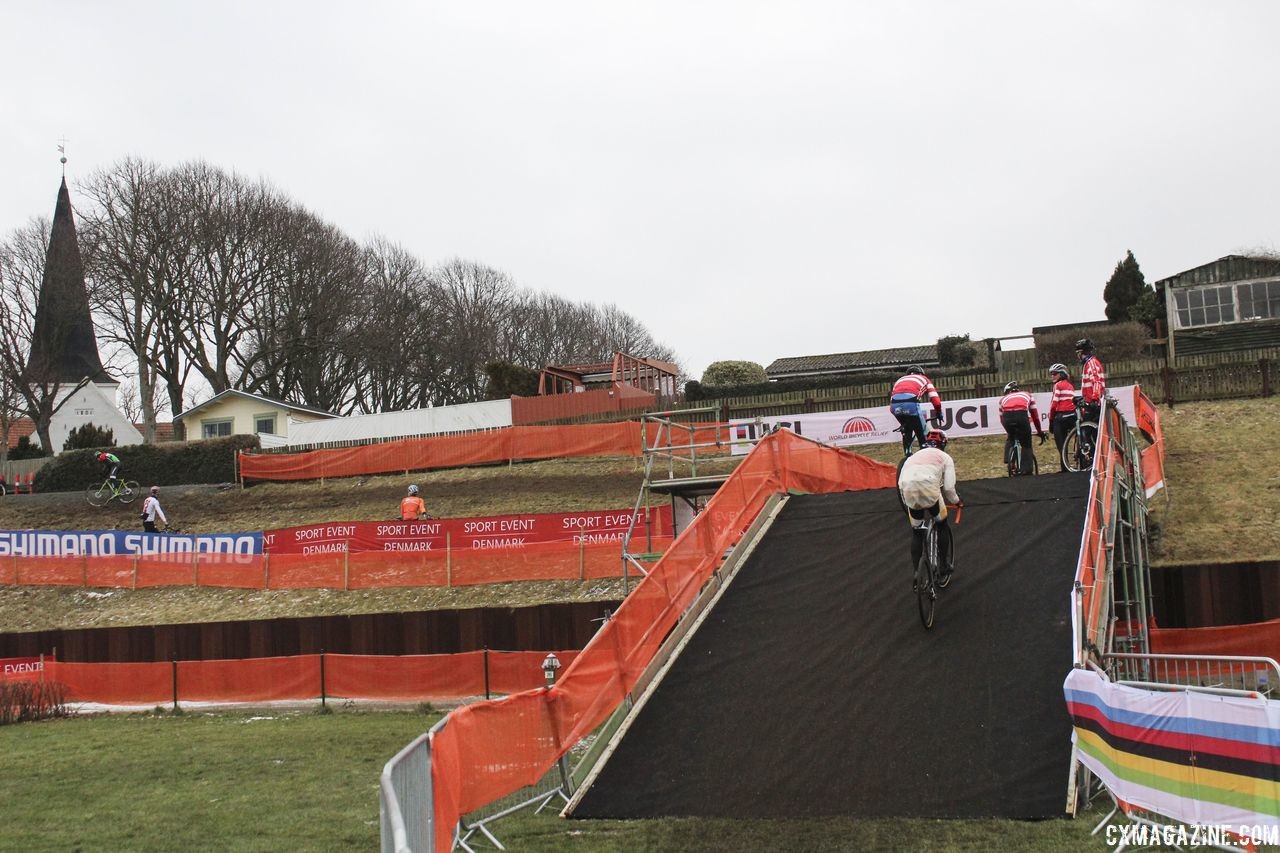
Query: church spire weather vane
[[62, 149]]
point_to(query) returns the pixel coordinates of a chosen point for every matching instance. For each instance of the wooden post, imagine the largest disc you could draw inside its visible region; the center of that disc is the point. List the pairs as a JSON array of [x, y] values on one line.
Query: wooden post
[[322, 696], [486, 672], [346, 566], [1264, 365], [582, 559], [175, 684], [448, 558], [266, 571], [1166, 378]]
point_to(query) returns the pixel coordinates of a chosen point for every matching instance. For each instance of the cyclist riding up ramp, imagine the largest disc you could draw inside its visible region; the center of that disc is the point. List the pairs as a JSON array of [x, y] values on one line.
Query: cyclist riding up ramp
[[926, 484], [907, 403]]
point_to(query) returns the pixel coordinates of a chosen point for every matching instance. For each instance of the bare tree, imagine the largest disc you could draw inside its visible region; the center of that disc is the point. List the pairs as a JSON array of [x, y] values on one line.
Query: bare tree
[[133, 254], [478, 302], [306, 329]]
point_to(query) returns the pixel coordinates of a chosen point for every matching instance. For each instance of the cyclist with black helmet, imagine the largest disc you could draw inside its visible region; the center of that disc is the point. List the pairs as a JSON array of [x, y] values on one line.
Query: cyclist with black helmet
[[1017, 415], [926, 484], [1062, 408], [907, 403], [1093, 380]]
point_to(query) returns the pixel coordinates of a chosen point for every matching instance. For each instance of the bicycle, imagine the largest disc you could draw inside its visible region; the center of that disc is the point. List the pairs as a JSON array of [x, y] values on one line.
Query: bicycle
[[1078, 446], [100, 494], [1013, 459], [928, 575]]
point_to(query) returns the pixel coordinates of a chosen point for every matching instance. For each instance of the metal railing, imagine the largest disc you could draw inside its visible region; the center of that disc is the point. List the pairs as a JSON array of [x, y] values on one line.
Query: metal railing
[[404, 789], [1121, 585], [1233, 675]]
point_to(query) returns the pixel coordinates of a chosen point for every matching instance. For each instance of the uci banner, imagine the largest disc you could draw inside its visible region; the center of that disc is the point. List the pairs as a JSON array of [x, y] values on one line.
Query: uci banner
[[960, 418], [106, 543]]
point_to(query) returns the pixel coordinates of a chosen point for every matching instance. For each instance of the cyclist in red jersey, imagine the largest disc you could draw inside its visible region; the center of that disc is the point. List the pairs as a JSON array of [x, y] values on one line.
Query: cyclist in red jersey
[[1017, 415], [1093, 379], [1062, 411], [907, 403]]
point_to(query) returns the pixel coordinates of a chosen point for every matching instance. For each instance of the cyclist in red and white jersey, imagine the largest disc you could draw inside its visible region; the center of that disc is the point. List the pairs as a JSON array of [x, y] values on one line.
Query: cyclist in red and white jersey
[[907, 401], [1062, 409], [1093, 379], [1017, 415]]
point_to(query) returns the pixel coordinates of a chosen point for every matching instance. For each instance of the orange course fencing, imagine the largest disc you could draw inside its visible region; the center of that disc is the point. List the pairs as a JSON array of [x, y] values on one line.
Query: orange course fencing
[[451, 451], [300, 677], [491, 749], [559, 560]]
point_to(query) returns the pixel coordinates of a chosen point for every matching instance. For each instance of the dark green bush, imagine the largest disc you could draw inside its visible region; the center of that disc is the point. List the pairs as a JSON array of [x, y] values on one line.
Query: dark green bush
[[89, 435], [27, 449], [168, 464]]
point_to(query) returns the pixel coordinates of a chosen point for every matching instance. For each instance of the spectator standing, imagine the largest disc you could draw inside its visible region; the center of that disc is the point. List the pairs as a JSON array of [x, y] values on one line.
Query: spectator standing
[[151, 510]]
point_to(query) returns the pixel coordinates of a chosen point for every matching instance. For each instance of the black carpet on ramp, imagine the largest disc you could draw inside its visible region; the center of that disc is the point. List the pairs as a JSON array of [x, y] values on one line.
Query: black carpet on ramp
[[812, 689]]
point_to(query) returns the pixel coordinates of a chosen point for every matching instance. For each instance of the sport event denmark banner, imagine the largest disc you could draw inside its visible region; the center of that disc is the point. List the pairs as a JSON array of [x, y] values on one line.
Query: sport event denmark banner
[[106, 543], [960, 418], [500, 531]]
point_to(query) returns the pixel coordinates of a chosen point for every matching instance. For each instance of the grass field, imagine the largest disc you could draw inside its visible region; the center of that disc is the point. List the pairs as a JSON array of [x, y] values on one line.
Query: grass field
[[306, 781]]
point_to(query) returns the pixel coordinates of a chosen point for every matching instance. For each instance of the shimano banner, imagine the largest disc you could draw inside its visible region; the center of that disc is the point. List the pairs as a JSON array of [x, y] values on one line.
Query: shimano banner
[[99, 543], [960, 418]]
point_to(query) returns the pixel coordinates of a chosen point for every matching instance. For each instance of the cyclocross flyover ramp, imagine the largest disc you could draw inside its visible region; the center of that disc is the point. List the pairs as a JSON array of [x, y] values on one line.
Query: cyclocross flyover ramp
[[811, 689]]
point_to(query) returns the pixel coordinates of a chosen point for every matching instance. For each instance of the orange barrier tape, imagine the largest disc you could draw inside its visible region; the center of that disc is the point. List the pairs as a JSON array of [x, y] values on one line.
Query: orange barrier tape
[[1261, 639], [452, 451], [557, 560], [491, 749], [401, 678]]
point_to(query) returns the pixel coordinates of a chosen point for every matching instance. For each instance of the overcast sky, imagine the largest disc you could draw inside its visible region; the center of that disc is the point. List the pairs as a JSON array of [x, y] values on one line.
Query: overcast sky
[[751, 180]]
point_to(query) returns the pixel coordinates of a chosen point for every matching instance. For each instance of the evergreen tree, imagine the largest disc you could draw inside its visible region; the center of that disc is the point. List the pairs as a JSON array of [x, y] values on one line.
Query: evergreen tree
[[1125, 287], [87, 436]]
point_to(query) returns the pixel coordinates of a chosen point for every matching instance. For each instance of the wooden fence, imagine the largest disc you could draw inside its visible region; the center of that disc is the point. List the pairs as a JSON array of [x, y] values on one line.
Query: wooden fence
[[1215, 376]]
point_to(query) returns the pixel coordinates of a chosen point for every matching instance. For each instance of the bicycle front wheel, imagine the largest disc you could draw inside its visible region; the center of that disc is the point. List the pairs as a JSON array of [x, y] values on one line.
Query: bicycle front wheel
[[1073, 458], [98, 494], [926, 579], [129, 491]]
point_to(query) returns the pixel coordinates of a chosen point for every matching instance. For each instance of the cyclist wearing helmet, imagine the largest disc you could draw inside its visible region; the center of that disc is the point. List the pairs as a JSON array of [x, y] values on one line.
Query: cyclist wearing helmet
[[926, 484], [110, 466], [1093, 379], [1017, 415], [1062, 409], [907, 400], [412, 507]]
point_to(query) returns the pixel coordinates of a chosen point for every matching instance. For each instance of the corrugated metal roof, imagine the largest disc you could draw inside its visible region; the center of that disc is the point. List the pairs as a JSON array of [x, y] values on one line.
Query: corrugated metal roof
[[1229, 268], [842, 361]]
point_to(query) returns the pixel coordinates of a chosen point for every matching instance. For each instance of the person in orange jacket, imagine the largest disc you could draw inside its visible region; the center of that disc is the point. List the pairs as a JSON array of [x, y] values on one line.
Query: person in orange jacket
[[412, 506]]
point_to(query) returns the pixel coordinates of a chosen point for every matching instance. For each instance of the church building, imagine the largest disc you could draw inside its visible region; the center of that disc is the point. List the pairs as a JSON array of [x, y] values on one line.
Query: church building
[[64, 358]]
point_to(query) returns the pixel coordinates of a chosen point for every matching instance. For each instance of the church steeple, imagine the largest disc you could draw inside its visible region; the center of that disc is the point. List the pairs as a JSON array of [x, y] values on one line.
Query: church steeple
[[63, 347]]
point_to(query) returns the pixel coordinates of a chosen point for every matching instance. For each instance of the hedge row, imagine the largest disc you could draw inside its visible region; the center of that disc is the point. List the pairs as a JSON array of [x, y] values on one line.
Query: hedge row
[[695, 391], [168, 464]]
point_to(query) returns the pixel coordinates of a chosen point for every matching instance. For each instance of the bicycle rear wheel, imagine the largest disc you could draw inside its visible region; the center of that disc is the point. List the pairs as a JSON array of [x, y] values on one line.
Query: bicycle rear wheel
[[129, 491], [98, 494], [1072, 456], [926, 580]]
